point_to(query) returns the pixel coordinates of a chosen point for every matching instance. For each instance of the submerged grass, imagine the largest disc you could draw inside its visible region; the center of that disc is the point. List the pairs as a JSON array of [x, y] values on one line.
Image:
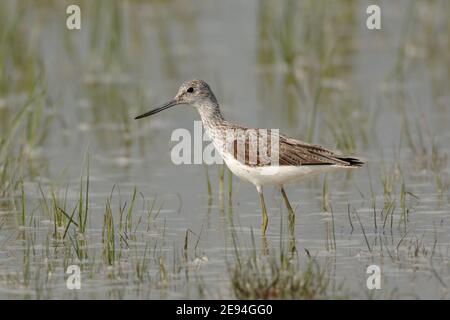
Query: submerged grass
[[127, 253], [122, 247], [278, 277]]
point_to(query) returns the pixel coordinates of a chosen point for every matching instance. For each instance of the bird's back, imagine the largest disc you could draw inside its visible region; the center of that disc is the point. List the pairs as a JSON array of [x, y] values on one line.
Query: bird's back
[[264, 147]]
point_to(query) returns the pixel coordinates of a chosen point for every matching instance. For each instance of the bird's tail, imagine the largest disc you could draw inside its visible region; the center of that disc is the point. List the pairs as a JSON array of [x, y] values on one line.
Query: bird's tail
[[352, 162]]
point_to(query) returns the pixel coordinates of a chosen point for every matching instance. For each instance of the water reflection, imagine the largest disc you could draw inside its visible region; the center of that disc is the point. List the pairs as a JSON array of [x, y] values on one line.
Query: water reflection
[[308, 67]]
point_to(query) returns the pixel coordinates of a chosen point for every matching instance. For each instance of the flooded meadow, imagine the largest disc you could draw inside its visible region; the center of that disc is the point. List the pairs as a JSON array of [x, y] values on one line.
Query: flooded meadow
[[84, 184]]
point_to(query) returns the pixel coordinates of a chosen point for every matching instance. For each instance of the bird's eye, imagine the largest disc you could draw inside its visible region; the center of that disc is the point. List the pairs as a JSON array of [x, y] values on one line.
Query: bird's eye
[[190, 90]]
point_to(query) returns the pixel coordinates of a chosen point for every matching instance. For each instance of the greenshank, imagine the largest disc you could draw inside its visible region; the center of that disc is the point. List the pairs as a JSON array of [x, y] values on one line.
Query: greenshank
[[259, 156]]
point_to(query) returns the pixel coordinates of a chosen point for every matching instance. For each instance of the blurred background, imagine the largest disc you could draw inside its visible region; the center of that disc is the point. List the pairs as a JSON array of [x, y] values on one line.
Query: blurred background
[[81, 182]]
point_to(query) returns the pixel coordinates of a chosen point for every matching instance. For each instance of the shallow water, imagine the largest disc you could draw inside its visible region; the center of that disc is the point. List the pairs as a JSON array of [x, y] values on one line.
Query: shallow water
[[382, 96]]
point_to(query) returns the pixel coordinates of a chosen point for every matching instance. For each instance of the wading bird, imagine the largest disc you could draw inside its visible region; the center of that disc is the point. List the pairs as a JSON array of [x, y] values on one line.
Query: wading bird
[[259, 156]]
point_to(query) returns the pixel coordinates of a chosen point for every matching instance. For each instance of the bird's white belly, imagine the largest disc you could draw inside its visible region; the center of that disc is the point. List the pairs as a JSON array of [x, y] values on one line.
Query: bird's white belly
[[274, 175]]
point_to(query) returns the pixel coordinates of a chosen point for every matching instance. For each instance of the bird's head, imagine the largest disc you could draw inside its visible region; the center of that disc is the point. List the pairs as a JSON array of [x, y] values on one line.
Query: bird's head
[[195, 92]]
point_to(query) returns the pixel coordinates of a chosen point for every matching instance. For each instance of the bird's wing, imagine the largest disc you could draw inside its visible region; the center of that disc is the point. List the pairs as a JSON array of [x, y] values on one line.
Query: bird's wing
[[294, 152], [253, 147]]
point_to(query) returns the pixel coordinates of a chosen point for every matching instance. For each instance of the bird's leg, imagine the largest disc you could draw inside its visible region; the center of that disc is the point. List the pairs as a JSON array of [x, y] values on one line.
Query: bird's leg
[[286, 202], [291, 219], [265, 219], [264, 247]]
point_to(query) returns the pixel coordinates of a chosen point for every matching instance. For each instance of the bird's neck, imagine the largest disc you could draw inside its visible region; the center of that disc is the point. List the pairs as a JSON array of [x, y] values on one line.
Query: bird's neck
[[210, 114]]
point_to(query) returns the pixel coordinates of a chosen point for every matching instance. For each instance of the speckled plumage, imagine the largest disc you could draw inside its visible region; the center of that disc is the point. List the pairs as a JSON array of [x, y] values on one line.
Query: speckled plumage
[[291, 152], [260, 156]]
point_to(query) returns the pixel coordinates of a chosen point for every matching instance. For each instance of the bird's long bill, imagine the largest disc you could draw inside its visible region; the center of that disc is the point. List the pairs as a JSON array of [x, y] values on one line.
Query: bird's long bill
[[161, 108]]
